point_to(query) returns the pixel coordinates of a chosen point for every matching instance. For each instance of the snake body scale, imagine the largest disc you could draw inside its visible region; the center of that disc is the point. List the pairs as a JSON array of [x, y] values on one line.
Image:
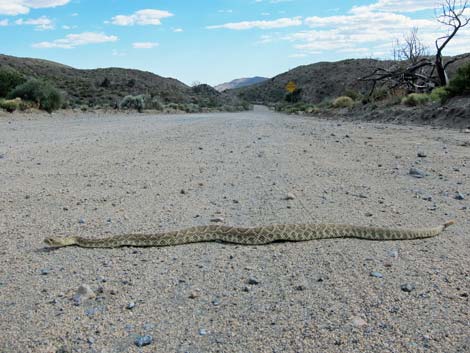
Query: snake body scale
[[249, 236]]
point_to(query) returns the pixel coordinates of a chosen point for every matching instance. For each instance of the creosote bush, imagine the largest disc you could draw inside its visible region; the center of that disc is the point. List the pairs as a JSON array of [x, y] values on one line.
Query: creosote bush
[[416, 99], [133, 102], [46, 96], [460, 84], [343, 102], [9, 79]]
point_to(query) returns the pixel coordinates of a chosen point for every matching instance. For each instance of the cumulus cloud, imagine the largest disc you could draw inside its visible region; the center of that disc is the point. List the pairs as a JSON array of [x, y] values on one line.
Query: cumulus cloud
[[279, 23], [371, 30], [41, 23], [398, 6], [22, 7], [74, 40], [145, 45], [4, 23], [141, 17]]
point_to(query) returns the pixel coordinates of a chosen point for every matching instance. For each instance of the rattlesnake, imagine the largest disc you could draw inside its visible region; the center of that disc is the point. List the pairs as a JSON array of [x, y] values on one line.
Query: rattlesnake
[[250, 236]]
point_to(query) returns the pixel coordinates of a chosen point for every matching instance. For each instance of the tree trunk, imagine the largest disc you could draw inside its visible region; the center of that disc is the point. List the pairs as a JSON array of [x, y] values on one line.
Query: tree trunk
[[441, 71]]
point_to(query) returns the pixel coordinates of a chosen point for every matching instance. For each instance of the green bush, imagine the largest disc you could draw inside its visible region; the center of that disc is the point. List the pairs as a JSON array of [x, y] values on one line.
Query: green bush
[[46, 96], [380, 94], [343, 102], [9, 79], [133, 102], [10, 105], [354, 95], [439, 94], [415, 99], [460, 84]]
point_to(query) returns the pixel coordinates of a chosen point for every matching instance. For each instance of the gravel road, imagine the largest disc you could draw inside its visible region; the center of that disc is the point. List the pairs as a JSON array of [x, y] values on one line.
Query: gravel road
[[97, 174]]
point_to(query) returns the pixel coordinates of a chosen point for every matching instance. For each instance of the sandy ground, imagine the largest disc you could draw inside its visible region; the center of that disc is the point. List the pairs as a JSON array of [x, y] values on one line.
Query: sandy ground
[[98, 175]]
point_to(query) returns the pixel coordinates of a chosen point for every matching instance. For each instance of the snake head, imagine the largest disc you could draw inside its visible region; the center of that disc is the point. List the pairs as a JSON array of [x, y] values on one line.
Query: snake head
[[55, 242]]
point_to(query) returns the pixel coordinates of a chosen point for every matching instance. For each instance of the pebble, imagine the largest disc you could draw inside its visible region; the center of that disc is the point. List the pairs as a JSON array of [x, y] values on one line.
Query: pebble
[[45, 271], [417, 173], [253, 281], [216, 301], [290, 196], [358, 322], [202, 332], [142, 341], [130, 305], [393, 253], [217, 219], [422, 155], [460, 196], [83, 293], [193, 295], [81, 221], [407, 287], [376, 274]]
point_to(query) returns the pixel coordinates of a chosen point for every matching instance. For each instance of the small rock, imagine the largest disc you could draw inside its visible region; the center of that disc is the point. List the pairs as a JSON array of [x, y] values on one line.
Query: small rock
[[142, 341], [45, 271], [376, 274], [358, 322], [202, 332], [300, 287], [368, 214], [90, 340], [193, 295], [289, 196], [393, 253], [85, 291], [417, 173], [216, 301], [218, 219], [422, 155], [246, 289], [407, 287], [460, 196], [130, 305], [81, 221], [183, 192], [253, 281]]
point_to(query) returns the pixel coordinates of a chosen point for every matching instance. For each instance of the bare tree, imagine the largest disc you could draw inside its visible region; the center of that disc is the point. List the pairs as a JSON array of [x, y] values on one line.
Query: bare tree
[[411, 49], [421, 73], [453, 14]]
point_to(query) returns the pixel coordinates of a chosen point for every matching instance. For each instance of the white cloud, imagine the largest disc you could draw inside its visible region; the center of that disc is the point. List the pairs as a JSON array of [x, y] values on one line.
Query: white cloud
[[141, 17], [178, 30], [41, 23], [74, 40], [371, 30], [22, 7], [279, 23], [145, 45], [4, 23], [398, 6]]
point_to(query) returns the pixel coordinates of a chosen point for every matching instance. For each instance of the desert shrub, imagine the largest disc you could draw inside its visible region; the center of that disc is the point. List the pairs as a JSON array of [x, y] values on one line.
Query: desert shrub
[[10, 105], [343, 102], [295, 96], [460, 84], [439, 94], [153, 103], [380, 94], [9, 79], [106, 83], [46, 96], [354, 95], [415, 99], [133, 102]]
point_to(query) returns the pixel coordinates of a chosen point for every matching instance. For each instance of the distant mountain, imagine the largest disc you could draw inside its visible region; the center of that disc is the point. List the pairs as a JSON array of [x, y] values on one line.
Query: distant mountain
[[106, 87], [241, 82], [320, 81]]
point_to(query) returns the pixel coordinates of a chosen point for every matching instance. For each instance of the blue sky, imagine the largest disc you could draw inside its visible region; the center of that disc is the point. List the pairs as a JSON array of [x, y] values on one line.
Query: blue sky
[[212, 41]]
